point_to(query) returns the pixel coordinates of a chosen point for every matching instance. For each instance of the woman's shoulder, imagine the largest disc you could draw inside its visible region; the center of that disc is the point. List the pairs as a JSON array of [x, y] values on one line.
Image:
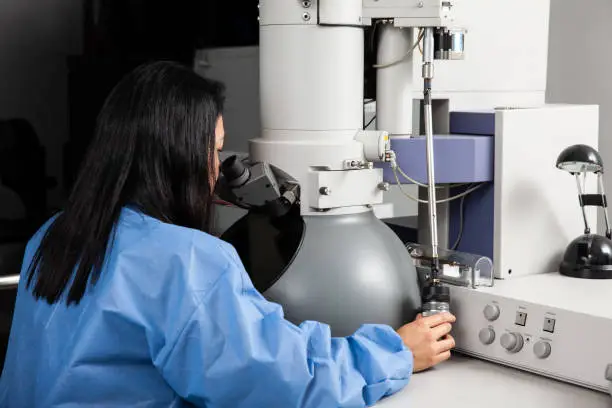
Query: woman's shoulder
[[163, 242]]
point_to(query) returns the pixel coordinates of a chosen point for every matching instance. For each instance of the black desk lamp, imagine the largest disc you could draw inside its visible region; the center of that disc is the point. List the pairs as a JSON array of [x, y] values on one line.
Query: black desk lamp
[[590, 255]]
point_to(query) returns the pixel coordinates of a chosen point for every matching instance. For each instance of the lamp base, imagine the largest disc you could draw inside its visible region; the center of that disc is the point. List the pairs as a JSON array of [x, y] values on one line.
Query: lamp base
[[588, 257], [581, 272]]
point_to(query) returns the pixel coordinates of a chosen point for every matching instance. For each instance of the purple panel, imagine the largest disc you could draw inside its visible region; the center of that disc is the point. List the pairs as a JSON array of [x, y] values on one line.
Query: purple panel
[[480, 123], [478, 208], [458, 159]]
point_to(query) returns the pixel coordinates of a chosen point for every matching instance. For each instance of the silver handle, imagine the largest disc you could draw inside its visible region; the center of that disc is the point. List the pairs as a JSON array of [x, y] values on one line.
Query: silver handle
[[9, 282]]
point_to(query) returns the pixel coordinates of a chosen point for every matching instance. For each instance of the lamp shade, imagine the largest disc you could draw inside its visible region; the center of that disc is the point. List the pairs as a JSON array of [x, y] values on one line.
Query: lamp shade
[[580, 159]]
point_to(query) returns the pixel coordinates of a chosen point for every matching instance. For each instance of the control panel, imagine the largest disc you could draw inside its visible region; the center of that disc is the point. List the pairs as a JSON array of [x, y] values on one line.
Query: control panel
[[566, 345]]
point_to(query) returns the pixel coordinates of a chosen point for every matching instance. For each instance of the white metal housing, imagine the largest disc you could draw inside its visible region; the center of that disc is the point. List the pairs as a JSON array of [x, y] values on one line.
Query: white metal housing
[[576, 310], [536, 205], [345, 188], [343, 12], [395, 84], [311, 80], [411, 13]]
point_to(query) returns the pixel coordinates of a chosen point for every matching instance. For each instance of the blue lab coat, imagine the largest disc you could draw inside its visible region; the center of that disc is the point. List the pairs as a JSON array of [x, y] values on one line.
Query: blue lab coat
[[175, 320]]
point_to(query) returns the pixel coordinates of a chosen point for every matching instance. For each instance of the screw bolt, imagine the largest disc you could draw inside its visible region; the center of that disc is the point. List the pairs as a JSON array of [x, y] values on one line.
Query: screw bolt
[[306, 16], [384, 186], [324, 191]]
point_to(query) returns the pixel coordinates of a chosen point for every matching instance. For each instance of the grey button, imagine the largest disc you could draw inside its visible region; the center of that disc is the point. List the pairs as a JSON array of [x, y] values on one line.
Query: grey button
[[542, 349], [521, 318], [513, 342], [487, 336], [549, 325], [491, 312]]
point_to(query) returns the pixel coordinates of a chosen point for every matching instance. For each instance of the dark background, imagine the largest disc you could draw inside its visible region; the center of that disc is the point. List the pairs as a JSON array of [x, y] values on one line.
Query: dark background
[[59, 59], [121, 34]]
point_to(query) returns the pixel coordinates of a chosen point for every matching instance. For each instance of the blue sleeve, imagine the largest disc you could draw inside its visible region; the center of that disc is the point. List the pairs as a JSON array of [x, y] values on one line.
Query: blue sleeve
[[237, 350], [3, 392]]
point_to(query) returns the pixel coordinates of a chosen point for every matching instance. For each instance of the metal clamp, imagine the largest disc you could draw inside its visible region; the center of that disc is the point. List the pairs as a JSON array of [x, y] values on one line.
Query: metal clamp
[[9, 282], [357, 164]]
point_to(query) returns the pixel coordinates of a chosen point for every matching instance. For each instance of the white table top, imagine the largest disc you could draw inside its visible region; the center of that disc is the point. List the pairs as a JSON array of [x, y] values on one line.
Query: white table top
[[466, 382]]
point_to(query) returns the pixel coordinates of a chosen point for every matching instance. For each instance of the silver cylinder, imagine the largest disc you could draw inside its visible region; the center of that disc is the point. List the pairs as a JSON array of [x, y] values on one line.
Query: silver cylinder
[[431, 180], [428, 55], [394, 83], [602, 191], [457, 50], [428, 44], [433, 308], [428, 71]]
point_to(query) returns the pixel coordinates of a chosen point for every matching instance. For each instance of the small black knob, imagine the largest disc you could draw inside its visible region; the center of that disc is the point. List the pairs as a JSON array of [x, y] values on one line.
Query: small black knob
[[235, 172]]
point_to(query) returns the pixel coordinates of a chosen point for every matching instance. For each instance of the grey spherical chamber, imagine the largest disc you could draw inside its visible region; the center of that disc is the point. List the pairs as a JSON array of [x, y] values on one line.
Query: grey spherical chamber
[[343, 270]]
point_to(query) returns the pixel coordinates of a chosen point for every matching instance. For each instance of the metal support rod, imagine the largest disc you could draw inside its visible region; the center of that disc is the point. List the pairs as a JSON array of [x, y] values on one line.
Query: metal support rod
[[9, 282], [587, 230], [605, 204], [428, 56], [431, 186]]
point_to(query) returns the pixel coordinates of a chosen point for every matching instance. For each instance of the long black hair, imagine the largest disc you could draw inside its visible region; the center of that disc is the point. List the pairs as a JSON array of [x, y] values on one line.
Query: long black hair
[[153, 149]]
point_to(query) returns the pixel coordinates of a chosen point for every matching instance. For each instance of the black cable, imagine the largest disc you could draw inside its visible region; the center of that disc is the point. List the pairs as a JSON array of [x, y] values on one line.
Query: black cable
[[461, 224], [370, 122]]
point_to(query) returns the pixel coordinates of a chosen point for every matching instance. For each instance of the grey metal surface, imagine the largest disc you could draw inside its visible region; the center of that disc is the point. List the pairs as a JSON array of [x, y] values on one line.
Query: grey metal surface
[[350, 270], [464, 382]]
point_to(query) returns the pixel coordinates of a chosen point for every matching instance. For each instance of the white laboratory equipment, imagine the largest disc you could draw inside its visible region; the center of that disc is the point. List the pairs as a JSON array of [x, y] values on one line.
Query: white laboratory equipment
[[460, 93]]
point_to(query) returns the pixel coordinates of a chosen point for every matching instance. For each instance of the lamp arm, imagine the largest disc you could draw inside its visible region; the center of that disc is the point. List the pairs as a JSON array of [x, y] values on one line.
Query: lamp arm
[[587, 230], [605, 204]]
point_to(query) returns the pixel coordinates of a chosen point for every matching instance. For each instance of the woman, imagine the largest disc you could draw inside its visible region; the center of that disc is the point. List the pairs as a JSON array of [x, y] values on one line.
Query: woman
[[126, 301]]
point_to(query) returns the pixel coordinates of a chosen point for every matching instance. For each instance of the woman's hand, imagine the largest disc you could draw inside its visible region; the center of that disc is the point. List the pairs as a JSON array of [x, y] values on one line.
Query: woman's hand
[[429, 340]]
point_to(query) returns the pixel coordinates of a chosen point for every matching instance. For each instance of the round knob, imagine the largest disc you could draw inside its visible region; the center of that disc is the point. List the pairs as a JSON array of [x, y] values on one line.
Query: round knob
[[542, 349], [513, 342], [235, 172], [487, 336], [491, 312]]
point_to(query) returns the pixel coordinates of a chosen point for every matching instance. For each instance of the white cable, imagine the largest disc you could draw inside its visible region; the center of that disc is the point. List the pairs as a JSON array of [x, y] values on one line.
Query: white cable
[[445, 200], [390, 64], [410, 179], [413, 181], [399, 185]]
